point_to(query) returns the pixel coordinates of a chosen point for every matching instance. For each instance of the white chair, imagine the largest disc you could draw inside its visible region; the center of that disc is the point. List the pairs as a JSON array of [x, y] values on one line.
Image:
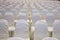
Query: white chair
[[22, 16], [21, 29], [15, 11], [56, 29], [35, 17], [41, 30], [49, 38], [2, 10], [4, 35], [10, 18], [50, 18]]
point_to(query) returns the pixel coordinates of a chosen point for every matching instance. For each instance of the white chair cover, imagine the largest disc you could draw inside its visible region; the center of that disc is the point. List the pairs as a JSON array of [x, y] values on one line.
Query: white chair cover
[[35, 17], [22, 16], [10, 18], [50, 18], [41, 30], [56, 29], [21, 29], [3, 29]]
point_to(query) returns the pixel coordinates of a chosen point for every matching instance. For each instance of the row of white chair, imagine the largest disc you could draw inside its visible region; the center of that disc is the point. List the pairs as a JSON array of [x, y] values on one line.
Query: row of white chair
[[35, 17], [41, 29], [4, 35], [45, 7]]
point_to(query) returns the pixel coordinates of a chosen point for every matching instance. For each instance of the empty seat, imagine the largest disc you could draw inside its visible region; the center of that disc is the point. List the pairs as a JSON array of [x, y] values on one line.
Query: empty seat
[[50, 18], [21, 29], [56, 29], [15, 11], [41, 30], [2, 10], [50, 38], [22, 16], [35, 17], [10, 18], [3, 29]]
